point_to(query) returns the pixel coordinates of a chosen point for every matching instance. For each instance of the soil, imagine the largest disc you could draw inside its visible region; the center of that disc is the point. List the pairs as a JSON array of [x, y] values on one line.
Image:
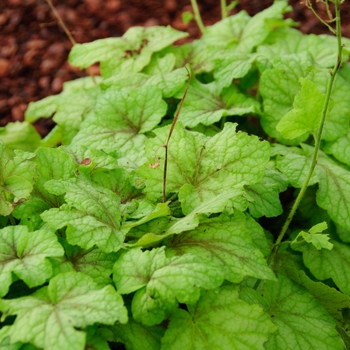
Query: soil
[[34, 48]]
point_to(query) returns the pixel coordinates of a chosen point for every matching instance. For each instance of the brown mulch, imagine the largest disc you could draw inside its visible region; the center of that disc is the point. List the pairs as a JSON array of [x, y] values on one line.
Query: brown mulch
[[34, 48]]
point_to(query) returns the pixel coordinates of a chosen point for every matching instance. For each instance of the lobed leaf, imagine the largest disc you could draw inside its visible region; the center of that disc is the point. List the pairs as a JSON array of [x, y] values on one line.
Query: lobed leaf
[[16, 179], [50, 318], [306, 115], [225, 242], [120, 120], [26, 254], [334, 183], [162, 282], [211, 165], [301, 320], [265, 194], [219, 320], [92, 215], [332, 263], [203, 104]]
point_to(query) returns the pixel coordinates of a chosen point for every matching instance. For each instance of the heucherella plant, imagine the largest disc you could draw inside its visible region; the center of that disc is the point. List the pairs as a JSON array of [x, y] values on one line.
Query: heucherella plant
[[193, 196]]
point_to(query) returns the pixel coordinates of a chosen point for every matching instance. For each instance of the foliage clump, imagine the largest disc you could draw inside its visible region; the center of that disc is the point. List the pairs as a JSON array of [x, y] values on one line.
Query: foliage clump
[[122, 226]]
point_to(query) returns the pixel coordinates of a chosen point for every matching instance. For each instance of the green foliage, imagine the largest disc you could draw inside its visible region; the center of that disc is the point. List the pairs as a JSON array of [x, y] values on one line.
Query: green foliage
[[91, 257]]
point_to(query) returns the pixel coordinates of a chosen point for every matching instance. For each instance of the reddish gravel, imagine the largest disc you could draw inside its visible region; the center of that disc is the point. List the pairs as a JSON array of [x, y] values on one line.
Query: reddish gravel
[[34, 49]]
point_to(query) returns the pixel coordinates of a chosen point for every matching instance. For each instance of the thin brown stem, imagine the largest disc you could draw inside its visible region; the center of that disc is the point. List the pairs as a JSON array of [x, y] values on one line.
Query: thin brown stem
[[170, 133], [68, 33]]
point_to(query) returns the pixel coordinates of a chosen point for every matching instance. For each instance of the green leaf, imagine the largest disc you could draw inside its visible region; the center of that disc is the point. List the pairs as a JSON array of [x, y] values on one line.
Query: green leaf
[[227, 243], [285, 41], [334, 181], [21, 136], [236, 66], [211, 165], [219, 320], [5, 343], [148, 338], [306, 115], [25, 254], [168, 82], [92, 262], [53, 164], [257, 29], [278, 87], [49, 317], [92, 215], [258, 235], [130, 53], [319, 241], [162, 282], [227, 32], [340, 148], [265, 194], [120, 120], [203, 104], [69, 107], [215, 204], [330, 298], [301, 320], [333, 263], [197, 54], [16, 179]]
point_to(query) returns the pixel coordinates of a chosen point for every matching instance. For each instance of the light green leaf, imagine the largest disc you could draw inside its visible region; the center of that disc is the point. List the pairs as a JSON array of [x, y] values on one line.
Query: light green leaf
[[69, 107], [160, 64], [258, 235], [120, 119], [278, 87], [169, 83], [125, 81], [25, 254], [148, 338], [92, 215], [203, 104], [333, 263], [234, 66], [161, 281], [93, 263], [291, 41], [211, 165], [319, 241], [160, 210], [219, 320], [197, 54], [330, 298], [340, 148], [130, 53], [16, 179], [21, 136], [301, 320], [227, 32], [257, 29], [226, 243], [334, 181], [265, 194], [53, 164], [306, 115], [5, 343], [337, 121], [48, 318], [215, 204], [95, 160]]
